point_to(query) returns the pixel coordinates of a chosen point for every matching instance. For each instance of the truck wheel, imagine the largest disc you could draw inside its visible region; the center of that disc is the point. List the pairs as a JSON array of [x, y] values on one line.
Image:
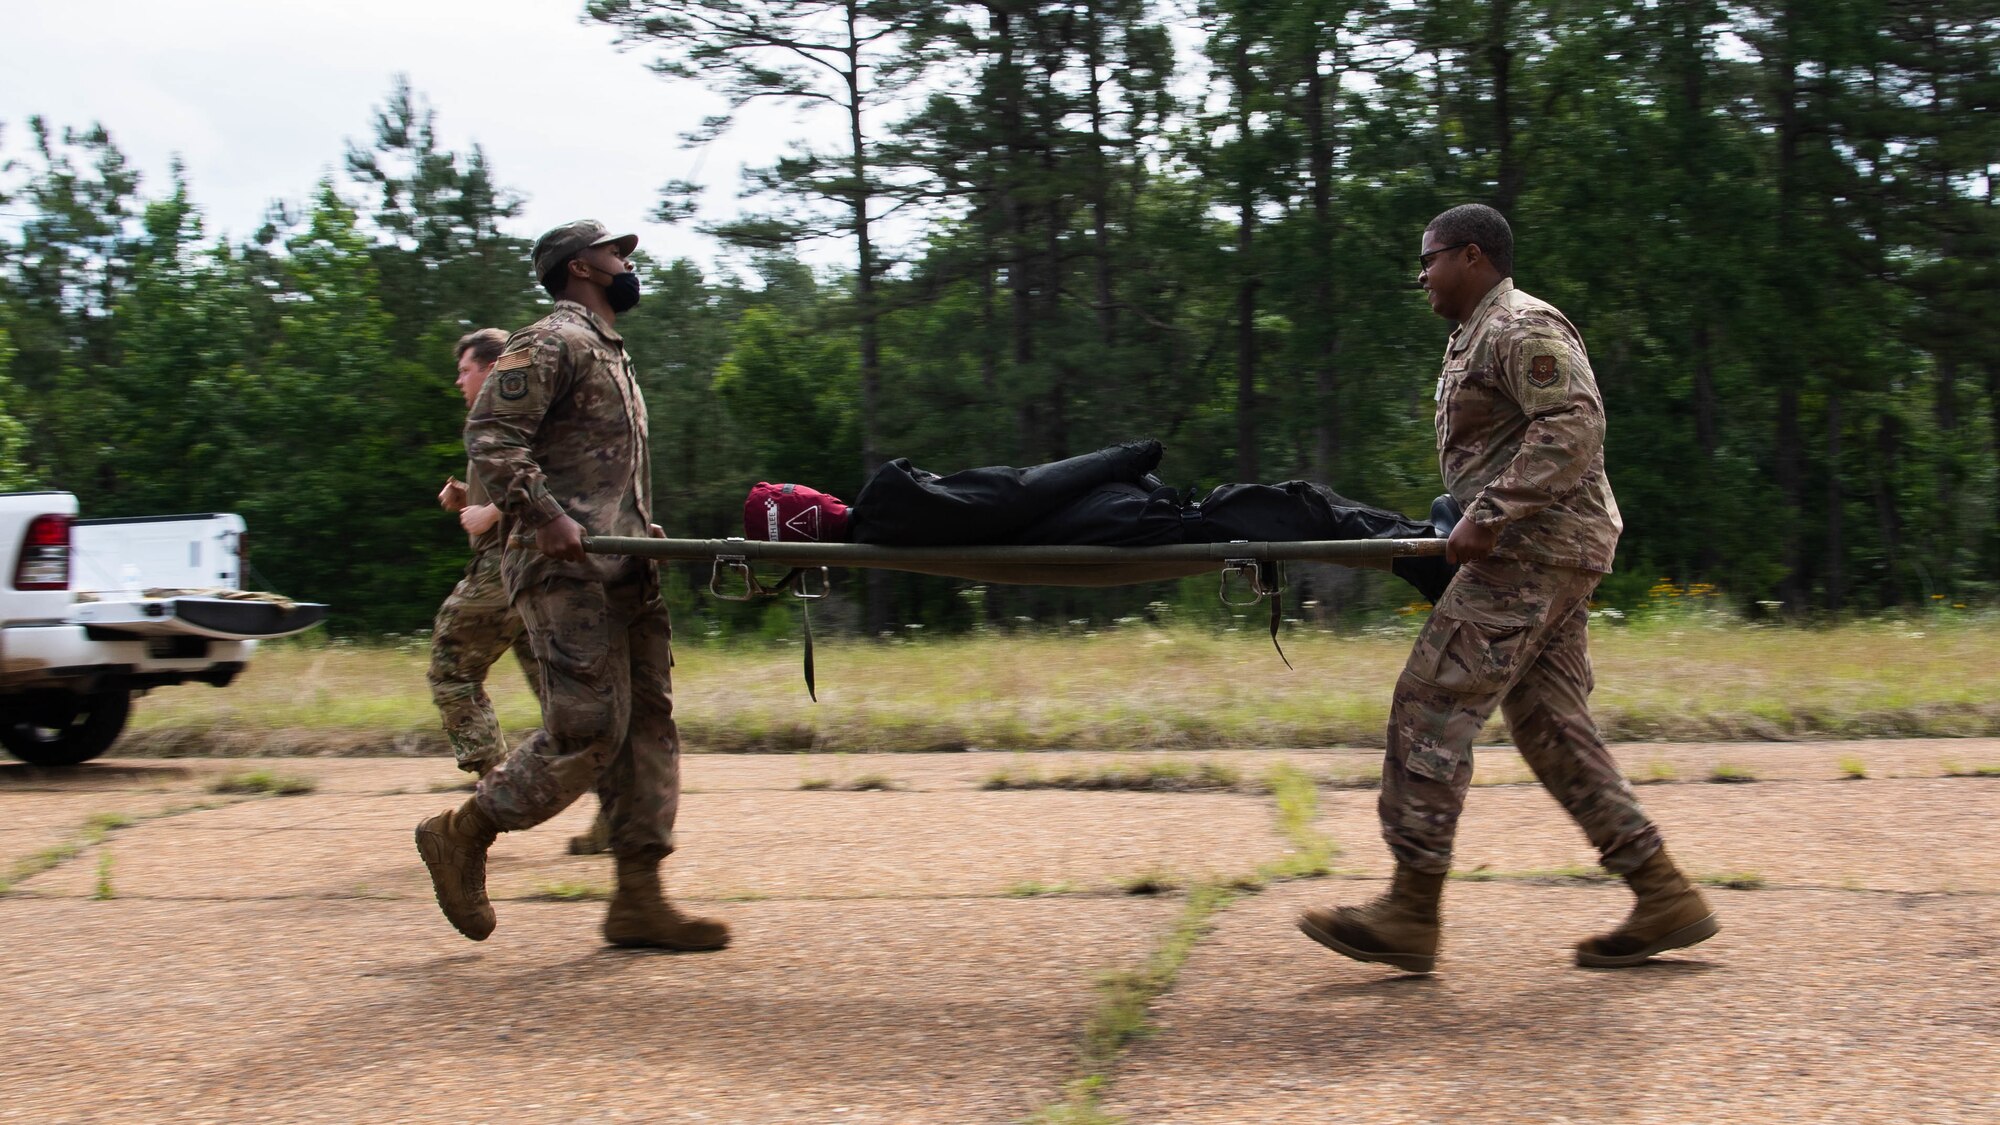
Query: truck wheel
[[63, 730]]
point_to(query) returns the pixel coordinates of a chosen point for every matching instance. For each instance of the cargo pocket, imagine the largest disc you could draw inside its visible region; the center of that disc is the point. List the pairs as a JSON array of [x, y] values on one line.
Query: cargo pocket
[[573, 643], [1485, 638]]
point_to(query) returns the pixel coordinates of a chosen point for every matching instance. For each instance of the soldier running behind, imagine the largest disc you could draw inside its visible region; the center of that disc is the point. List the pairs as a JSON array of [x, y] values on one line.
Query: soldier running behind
[[477, 623], [1520, 437], [559, 435]]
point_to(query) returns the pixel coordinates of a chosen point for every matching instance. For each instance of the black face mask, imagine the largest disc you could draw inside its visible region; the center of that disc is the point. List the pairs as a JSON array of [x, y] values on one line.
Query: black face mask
[[623, 292]]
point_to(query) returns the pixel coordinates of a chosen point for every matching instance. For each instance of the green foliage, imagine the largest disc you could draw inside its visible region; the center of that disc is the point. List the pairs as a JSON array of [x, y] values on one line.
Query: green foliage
[[13, 434], [1774, 225], [792, 392]]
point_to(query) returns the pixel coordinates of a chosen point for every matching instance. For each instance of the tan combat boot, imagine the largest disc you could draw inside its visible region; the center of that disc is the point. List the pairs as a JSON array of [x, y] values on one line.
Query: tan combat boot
[[597, 840], [454, 845], [641, 916], [1400, 928], [1670, 914]]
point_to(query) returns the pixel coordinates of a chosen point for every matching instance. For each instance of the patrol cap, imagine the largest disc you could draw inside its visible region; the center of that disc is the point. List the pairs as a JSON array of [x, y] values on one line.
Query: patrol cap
[[570, 239]]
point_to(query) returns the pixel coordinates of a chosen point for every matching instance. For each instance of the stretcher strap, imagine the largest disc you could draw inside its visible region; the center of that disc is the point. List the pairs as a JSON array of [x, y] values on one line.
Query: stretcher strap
[[805, 610], [1277, 600]]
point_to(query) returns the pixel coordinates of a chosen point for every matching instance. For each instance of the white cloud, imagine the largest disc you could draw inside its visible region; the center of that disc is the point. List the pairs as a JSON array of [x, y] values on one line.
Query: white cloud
[[260, 97]]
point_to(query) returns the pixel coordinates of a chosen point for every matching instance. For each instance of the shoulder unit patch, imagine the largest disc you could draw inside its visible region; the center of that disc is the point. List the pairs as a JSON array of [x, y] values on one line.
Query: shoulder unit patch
[[1542, 370]]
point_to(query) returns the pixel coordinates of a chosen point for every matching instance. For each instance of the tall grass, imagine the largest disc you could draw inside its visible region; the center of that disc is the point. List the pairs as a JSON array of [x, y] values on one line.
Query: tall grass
[[1686, 676]]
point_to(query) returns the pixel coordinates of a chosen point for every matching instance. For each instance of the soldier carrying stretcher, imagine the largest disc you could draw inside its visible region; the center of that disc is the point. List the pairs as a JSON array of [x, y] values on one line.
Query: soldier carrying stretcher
[[1520, 438]]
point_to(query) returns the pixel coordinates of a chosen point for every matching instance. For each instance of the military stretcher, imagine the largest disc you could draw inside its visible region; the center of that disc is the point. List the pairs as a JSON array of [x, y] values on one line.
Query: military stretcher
[[1250, 571]]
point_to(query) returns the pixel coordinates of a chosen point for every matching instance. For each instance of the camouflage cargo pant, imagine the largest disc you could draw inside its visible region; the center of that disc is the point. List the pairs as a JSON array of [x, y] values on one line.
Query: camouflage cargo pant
[[1511, 634], [608, 718], [475, 626]]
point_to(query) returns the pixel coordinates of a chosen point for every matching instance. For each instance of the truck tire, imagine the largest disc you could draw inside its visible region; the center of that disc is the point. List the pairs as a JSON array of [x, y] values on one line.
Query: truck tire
[[63, 730]]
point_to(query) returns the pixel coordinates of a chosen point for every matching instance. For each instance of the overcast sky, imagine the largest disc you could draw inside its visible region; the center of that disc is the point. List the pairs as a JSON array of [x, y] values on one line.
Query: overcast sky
[[259, 97]]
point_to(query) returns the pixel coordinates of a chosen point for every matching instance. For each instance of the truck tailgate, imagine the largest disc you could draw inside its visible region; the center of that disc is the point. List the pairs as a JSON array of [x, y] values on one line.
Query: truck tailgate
[[224, 619]]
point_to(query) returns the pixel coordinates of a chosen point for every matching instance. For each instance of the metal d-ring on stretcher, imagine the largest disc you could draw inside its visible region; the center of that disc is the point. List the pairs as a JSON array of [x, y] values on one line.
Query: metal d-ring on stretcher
[[1257, 567]]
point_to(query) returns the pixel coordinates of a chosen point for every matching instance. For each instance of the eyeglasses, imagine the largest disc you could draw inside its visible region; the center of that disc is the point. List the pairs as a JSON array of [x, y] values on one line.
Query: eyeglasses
[[1424, 260]]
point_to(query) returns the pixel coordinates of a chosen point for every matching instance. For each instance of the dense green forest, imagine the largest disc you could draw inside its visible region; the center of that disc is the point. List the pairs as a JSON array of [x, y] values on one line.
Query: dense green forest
[[1774, 222]]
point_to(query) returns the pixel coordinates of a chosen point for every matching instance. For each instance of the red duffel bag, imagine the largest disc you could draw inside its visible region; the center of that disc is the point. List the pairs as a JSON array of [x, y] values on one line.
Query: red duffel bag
[[793, 513]]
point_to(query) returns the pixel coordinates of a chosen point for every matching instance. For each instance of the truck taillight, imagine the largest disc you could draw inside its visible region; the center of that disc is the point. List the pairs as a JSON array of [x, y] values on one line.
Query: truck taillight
[[44, 561]]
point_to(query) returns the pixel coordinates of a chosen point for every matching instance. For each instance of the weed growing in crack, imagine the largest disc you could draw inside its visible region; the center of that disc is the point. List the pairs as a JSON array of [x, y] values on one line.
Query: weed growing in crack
[[1566, 875], [1168, 776], [569, 890], [103, 891], [1726, 774], [1125, 997], [1852, 768], [1298, 806], [1080, 1107], [866, 783], [98, 825], [94, 830], [263, 782], [36, 862], [1154, 882], [1659, 771]]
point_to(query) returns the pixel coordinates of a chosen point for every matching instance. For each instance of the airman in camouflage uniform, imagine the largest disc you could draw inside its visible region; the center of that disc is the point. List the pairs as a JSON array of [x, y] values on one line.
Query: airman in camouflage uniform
[[559, 434], [1520, 435], [477, 624]]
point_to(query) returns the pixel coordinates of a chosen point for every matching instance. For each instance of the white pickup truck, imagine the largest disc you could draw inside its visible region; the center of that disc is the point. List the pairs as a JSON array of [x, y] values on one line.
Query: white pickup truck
[[93, 612]]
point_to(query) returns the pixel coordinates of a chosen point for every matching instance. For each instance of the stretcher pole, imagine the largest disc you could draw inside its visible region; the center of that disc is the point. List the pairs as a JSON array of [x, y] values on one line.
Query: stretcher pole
[[1258, 565], [1349, 551]]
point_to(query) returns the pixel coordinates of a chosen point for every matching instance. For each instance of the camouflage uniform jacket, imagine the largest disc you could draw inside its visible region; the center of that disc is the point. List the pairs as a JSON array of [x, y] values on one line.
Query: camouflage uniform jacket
[[1520, 433], [560, 428]]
